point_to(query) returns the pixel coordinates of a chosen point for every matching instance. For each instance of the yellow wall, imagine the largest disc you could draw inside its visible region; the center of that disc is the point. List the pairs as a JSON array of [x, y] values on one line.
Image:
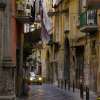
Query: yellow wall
[[73, 17], [98, 53]]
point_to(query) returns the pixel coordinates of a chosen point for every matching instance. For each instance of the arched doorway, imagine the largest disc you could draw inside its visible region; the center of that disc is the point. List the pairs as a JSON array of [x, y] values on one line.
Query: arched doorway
[[79, 50]]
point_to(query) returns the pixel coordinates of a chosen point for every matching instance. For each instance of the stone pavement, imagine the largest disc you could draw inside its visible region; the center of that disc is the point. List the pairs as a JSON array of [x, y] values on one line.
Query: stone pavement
[[50, 92], [76, 94]]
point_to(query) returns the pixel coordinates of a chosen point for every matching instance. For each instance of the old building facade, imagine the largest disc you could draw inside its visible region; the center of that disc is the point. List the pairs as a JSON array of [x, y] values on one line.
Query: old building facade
[[74, 50], [72, 54]]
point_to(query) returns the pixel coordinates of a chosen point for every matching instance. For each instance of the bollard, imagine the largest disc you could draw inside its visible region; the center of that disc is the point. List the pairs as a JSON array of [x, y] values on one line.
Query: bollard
[[73, 86], [81, 91], [68, 85], [61, 84], [65, 84], [58, 84], [87, 93]]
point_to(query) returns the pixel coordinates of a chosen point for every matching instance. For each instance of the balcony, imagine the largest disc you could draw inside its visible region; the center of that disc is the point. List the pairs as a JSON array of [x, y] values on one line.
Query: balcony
[[88, 21], [23, 13], [53, 13]]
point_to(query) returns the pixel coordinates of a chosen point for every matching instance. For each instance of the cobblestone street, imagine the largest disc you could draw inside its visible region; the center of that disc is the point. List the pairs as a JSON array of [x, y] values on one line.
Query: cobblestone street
[[49, 92]]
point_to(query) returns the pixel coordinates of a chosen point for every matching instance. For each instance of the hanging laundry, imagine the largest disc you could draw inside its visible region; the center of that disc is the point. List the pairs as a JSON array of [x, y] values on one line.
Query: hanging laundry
[[45, 21]]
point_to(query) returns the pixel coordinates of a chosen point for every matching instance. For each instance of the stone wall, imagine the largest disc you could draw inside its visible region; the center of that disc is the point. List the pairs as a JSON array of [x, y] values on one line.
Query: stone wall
[[7, 68]]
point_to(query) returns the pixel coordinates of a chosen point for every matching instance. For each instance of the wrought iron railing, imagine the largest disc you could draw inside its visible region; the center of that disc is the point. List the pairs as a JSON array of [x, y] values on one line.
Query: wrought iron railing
[[22, 9], [88, 18]]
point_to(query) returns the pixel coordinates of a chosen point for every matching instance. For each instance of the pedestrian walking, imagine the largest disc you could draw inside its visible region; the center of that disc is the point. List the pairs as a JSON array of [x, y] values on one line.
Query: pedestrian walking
[[87, 93], [29, 92], [26, 89]]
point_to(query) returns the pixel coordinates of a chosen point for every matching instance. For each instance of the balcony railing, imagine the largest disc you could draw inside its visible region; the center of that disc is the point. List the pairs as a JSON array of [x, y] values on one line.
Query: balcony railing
[[23, 13], [20, 10], [88, 21]]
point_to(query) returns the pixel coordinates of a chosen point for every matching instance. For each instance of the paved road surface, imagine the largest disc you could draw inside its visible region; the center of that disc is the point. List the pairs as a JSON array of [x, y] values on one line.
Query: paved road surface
[[46, 92], [49, 92]]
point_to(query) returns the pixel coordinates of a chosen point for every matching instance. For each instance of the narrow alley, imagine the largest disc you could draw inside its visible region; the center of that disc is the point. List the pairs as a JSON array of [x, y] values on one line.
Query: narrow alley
[[49, 49]]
